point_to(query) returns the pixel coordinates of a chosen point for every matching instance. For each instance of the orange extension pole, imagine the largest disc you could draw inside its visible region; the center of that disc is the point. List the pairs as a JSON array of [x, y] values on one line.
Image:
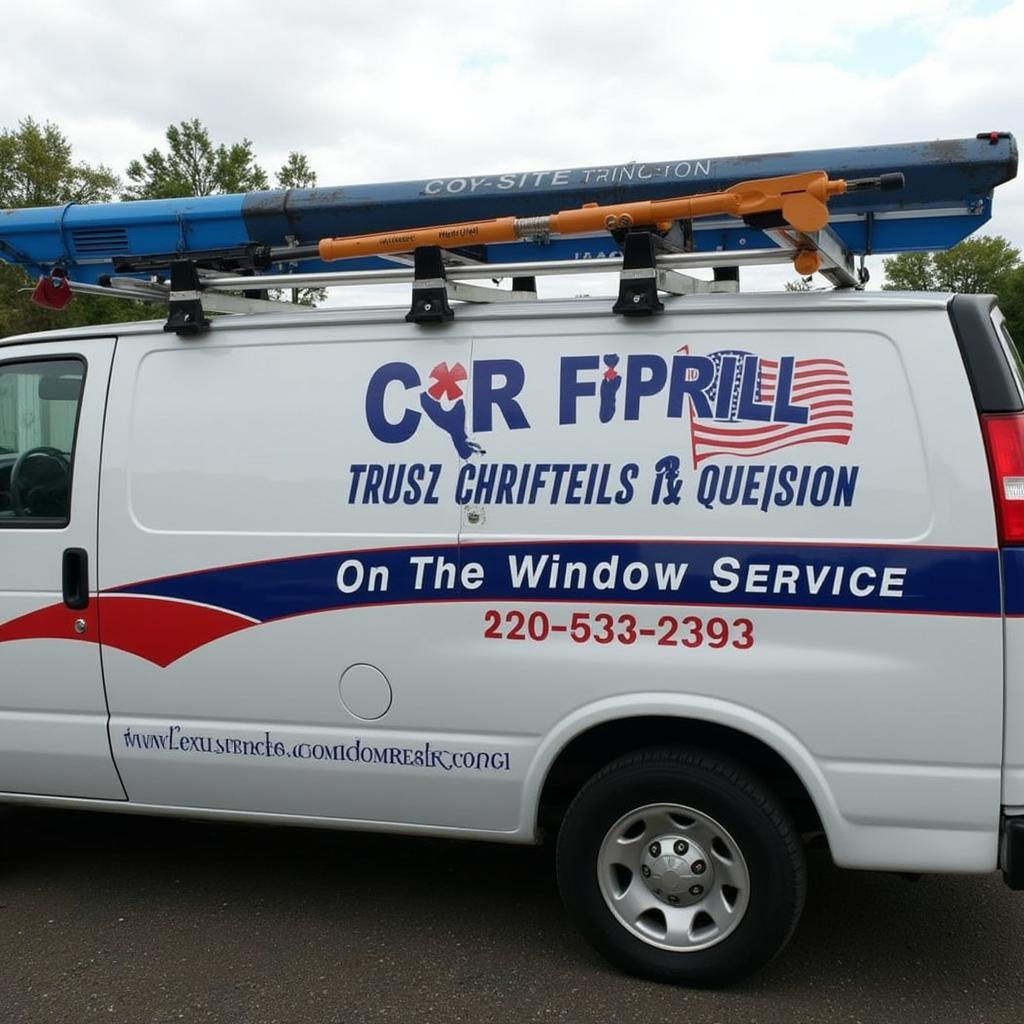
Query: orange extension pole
[[802, 200]]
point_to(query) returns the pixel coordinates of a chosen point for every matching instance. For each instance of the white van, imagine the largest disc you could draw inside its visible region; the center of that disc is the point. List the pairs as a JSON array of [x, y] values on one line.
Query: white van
[[682, 591]]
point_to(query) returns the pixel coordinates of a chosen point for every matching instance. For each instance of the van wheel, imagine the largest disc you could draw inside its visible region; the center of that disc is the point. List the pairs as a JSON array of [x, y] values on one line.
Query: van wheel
[[679, 866]]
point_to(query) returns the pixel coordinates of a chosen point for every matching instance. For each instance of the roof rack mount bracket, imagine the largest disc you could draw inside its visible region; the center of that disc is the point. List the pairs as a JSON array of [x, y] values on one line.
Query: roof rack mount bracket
[[638, 279], [429, 288], [186, 316]]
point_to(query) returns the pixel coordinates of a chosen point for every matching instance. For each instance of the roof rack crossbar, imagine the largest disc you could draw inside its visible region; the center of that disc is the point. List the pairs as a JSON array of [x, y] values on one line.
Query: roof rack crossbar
[[212, 294], [157, 293], [491, 271]]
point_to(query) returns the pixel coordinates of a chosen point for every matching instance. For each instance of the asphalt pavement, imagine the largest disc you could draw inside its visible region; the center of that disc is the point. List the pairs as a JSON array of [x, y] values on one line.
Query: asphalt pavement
[[136, 920]]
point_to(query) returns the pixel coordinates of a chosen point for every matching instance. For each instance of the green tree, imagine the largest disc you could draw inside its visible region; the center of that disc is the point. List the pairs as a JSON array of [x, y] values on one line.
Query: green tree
[[1011, 302], [910, 272], [976, 265], [988, 264], [194, 166], [37, 168], [296, 172]]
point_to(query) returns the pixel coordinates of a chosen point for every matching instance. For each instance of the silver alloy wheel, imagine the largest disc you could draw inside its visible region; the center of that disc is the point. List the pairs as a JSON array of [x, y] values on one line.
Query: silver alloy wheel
[[674, 877]]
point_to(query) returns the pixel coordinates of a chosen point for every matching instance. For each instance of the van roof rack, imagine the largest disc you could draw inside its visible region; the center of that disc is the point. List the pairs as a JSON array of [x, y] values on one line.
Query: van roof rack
[[648, 220]]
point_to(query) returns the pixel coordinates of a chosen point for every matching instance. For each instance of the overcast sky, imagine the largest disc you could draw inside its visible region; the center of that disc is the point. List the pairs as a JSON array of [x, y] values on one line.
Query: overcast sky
[[376, 91]]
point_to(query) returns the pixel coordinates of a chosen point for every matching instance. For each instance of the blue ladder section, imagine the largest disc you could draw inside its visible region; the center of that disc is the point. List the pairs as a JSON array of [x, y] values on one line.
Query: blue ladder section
[[947, 196]]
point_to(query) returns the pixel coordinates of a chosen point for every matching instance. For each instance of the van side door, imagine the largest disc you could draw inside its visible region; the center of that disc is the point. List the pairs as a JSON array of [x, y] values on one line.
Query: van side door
[[53, 711], [271, 496]]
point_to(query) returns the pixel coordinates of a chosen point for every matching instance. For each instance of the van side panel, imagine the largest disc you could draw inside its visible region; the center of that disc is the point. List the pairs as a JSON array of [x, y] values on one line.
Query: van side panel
[[383, 575]]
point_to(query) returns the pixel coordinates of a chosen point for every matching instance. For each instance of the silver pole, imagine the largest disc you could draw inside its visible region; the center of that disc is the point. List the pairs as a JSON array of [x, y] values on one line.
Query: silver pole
[[326, 279]]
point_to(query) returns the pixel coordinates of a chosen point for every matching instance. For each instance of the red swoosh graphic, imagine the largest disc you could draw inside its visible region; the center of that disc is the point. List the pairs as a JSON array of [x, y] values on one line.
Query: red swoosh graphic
[[55, 622], [162, 631], [157, 629]]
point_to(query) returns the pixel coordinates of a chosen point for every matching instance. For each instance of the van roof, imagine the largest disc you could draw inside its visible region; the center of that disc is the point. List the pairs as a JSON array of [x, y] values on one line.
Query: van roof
[[820, 301]]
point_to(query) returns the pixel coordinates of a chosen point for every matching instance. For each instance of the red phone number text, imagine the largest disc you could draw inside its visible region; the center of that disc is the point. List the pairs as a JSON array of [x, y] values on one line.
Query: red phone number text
[[605, 628]]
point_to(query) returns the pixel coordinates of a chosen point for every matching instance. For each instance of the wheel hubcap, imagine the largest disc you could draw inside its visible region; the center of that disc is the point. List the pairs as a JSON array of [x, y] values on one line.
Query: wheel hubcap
[[674, 877], [677, 870]]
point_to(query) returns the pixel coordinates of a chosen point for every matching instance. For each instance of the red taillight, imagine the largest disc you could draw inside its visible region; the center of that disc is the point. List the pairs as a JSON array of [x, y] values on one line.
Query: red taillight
[[1004, 441]]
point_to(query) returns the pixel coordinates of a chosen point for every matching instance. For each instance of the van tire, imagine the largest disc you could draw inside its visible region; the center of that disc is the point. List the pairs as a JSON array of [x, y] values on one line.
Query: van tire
[[625, 812]]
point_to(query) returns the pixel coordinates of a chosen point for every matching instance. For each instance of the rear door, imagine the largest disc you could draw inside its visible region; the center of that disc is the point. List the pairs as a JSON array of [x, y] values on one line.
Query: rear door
[[997, 377], [53, 713]]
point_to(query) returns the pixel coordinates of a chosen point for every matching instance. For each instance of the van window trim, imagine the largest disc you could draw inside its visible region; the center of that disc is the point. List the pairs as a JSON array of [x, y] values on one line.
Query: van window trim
[[994, 381]]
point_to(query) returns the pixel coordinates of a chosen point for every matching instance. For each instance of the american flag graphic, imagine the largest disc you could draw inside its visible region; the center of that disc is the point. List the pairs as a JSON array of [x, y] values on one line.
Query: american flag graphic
[[822, 385]]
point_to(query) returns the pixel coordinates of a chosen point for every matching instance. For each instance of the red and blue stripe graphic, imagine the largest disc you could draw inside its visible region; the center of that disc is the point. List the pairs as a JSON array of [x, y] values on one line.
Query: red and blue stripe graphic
[[1013, 580], [165, 619]]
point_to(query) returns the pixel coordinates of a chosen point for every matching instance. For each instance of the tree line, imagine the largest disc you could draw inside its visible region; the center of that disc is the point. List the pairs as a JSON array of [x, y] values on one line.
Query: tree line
[[37, 168], [984, 265]]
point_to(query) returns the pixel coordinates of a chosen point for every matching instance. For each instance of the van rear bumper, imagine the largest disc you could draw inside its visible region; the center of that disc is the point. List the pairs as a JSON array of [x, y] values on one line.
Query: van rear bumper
[[1012, 851]]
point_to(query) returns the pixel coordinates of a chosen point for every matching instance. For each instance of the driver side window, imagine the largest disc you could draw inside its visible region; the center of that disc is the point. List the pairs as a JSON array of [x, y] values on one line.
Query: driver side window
[[39, 403]]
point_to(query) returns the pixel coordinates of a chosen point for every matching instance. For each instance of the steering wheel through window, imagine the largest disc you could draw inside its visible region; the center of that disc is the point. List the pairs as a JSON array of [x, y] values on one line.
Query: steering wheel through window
[[40, 479]]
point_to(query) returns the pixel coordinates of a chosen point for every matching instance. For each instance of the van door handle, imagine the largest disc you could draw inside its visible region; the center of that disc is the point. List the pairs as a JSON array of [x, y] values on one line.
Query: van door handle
[[75, 578]]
